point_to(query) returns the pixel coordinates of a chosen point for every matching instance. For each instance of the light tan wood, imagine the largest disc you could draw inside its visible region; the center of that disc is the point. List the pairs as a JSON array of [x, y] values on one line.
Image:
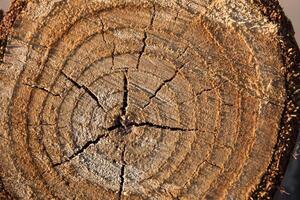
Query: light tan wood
[[128, 99]]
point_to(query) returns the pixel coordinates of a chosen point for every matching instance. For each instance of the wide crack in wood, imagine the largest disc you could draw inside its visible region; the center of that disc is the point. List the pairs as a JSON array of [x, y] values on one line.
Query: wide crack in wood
[[120, 122], [129, 125], [85, 88], [82, 149], [125, 95], [122, 174], [113, 52]]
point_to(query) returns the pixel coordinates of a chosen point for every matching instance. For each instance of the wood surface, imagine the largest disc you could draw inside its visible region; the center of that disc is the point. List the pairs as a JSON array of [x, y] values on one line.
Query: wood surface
[[139, 99]]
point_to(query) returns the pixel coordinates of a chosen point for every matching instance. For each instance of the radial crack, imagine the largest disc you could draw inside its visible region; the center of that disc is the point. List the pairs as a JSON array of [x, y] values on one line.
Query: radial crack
[[212, 164], [205, 90], [82, 149], [142, 50], [163, 127], [113, 52], [145, 37], [85, 88], [114, 127], [182, 53], [102, 31], [162, 85], [125, 95], [118, 125], [122, 174], [42, 88], [153, 16]]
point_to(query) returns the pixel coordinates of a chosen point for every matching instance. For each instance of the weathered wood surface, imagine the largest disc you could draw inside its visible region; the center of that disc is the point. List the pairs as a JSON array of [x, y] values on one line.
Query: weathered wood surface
[[129, 99]]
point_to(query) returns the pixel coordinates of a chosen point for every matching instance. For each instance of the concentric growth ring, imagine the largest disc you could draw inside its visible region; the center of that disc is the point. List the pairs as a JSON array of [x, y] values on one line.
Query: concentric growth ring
[[138, 100]]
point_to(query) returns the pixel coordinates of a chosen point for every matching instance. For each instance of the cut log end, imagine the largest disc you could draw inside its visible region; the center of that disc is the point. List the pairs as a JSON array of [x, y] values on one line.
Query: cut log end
[[141, 100]]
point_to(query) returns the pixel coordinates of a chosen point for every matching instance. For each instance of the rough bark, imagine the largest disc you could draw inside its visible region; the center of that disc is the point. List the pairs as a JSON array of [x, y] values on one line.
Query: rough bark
[[130, 99]]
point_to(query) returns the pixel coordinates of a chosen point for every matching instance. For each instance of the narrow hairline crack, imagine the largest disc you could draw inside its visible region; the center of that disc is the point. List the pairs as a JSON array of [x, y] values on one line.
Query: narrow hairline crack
[[253, 92], [146, 37], [86, 89], [42, 88], [163, 127], [205, 90], [102, 31], [82, 149], [183, 52], [153, 16], [113, 51], [162, 85], [142, 50]]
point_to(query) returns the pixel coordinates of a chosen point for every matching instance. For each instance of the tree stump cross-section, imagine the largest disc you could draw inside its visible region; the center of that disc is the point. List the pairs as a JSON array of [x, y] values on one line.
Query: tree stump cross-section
[[128, 99]]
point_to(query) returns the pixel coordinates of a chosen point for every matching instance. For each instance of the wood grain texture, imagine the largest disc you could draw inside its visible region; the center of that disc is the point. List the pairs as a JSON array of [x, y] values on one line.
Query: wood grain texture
[[128, 99]]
